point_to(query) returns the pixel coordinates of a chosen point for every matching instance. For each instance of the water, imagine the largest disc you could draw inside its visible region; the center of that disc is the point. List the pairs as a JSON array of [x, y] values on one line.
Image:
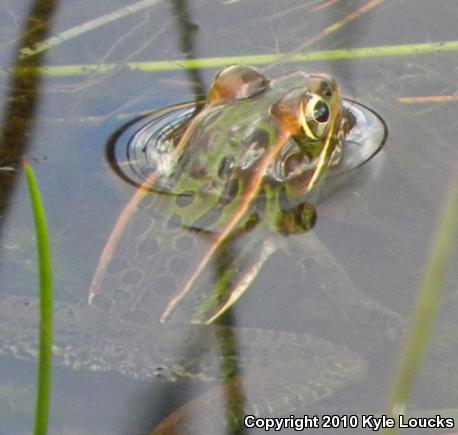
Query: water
[[378, 222]]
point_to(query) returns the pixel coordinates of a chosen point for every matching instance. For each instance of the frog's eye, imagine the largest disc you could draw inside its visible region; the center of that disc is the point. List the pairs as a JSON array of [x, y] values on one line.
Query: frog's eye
[[321, 112], [315, 116], [316, 109]]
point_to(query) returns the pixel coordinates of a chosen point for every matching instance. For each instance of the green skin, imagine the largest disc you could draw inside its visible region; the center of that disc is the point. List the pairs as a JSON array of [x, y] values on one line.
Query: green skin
[[120, 330]]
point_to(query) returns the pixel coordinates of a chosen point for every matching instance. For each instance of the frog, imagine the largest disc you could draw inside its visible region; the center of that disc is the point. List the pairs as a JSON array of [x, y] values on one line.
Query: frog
[[247, 158], [226, 188]]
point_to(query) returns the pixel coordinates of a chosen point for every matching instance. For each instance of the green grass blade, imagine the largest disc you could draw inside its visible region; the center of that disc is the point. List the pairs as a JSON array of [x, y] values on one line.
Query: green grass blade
[[427, 306], [45, 347], [258, 59]]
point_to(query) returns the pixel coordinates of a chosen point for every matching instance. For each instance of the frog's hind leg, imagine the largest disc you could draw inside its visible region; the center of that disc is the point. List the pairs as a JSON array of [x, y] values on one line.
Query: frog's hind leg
[[233, 278], [233, 268], [117, 233]]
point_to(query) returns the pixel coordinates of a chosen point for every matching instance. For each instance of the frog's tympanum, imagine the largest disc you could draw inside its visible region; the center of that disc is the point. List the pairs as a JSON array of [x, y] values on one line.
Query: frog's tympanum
[[225, 186]]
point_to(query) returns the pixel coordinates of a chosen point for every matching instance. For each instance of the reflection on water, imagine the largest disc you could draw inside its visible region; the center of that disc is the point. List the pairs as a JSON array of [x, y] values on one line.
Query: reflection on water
[[23, 98], [378, 223], [187, 32]]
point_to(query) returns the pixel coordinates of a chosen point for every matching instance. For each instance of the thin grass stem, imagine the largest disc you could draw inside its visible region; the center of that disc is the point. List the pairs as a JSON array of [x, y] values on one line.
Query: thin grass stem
[[45, 320]]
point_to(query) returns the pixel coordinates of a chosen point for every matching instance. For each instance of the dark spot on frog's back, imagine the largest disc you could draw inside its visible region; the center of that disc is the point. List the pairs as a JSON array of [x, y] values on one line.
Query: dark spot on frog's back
[[140, 224], [226, 167], [148, 247], [229, 192], [177, 264], [174, 222], [132, 277], [198, 170], [184, 243], [184, 199], [259, 138]]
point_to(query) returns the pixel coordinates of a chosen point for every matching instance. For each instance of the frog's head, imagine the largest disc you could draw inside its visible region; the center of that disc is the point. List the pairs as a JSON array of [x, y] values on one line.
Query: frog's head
[[320, 109], [312, 115]]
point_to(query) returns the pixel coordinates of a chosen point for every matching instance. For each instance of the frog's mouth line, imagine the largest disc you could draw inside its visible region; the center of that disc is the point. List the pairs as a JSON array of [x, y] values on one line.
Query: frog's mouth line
[[143, 145]]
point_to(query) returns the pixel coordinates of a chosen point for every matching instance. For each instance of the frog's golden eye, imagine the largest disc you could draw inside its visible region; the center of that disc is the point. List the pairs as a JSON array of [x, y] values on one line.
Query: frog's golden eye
[[321, 112], [315, 116], [316, 109]]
